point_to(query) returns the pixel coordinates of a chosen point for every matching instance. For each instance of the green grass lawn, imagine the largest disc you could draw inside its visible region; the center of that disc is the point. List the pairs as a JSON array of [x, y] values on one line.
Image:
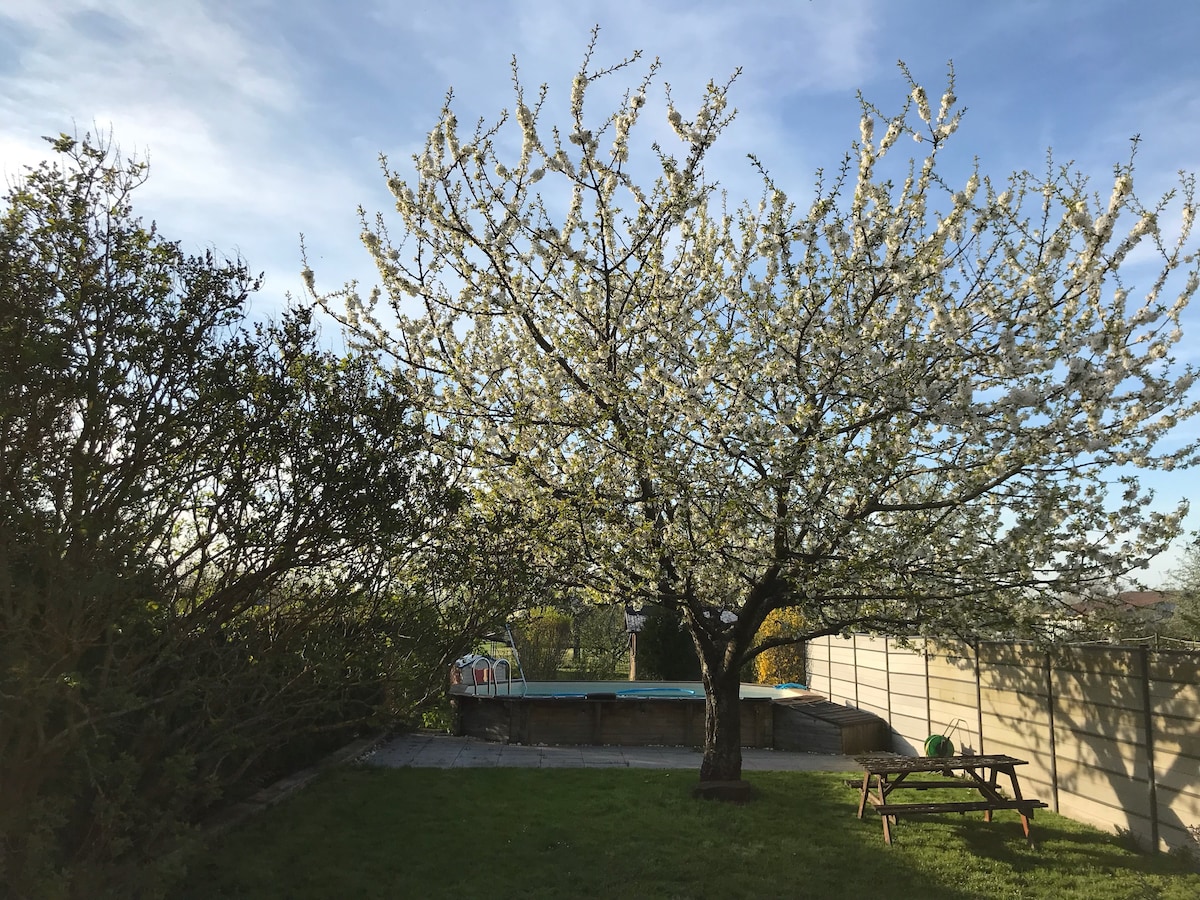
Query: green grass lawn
[[635, 833]]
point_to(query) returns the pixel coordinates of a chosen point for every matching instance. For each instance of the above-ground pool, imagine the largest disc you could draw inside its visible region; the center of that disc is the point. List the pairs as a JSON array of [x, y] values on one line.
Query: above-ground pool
[[606, 712]]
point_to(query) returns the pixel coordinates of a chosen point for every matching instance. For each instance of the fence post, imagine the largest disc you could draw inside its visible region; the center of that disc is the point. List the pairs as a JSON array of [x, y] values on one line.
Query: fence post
[[978, 699], [1053, 741], [928, 702], [854, 656], [1148, 719], [887, 677]]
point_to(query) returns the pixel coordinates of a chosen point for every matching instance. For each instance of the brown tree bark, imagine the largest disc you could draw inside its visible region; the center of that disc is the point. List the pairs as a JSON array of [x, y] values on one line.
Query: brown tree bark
[[722, 759]]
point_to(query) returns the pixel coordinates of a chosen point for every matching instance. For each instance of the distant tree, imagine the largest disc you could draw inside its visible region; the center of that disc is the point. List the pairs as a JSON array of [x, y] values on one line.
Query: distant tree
[[542, 638], [601, 642], [665, 649], [891, 407], [467, 581], [1185, 621]]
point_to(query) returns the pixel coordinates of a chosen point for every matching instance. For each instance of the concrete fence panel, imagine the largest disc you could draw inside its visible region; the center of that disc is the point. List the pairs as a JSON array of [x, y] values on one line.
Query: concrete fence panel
[[1111, 734]]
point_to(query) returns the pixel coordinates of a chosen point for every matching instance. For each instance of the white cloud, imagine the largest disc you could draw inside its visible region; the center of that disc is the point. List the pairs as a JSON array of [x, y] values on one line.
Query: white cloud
[[262, 118], [209, 105], [182, 51], [176, 81]]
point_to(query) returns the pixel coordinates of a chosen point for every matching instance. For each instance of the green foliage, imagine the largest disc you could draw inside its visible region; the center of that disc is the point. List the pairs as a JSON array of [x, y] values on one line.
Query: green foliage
[[214, 539], [601, 643], [109, 333], [665, 651], [542, 640], [468, 579], [1184, 623], [785, 663]]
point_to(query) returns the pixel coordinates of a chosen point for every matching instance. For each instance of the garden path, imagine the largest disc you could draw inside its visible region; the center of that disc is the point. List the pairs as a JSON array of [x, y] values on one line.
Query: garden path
[[443, 751]]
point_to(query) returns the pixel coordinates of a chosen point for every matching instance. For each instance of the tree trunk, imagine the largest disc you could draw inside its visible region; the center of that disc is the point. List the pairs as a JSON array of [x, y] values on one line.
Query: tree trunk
[[722, 726]]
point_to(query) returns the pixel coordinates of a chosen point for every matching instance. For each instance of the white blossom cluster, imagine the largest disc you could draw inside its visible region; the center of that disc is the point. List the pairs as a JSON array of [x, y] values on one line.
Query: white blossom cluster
[[893, 405]]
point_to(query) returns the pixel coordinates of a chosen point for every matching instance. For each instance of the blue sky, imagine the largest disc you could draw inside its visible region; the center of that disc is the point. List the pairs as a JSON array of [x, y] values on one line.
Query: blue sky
[[263, 119]]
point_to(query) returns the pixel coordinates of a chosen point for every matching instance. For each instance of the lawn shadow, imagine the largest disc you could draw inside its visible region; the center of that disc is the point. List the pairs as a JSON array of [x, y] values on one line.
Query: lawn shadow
[[549, 833]]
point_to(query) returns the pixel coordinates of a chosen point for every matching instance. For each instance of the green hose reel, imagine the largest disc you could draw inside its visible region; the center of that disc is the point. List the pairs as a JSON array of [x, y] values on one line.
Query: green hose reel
[[938, 745]]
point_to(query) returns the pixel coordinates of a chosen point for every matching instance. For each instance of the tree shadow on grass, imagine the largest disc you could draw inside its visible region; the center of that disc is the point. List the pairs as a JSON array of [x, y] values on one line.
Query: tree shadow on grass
[[1058, 845], [538, 833]]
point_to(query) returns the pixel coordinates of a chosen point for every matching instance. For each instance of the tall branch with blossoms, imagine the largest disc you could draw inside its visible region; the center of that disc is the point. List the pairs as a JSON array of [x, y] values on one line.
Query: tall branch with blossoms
[[891, 407]]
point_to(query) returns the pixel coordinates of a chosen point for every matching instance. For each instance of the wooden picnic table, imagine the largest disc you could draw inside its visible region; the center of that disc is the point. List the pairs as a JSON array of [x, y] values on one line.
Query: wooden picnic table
[[884, 774]]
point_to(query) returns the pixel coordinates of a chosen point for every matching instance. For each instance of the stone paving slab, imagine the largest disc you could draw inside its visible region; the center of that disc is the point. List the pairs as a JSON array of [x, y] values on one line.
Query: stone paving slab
[[442, 751]]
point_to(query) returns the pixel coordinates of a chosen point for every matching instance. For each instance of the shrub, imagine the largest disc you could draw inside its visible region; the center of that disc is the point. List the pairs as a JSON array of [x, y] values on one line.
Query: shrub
[[665, 651], [542, 640], [781, 665]]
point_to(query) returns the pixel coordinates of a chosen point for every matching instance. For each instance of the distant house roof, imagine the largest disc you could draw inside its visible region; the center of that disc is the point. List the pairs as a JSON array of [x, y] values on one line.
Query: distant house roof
[[1139, 599], [1125, 601]]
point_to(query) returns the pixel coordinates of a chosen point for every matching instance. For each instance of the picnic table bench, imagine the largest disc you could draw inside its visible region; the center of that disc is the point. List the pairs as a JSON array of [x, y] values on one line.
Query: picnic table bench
[[884, 774]]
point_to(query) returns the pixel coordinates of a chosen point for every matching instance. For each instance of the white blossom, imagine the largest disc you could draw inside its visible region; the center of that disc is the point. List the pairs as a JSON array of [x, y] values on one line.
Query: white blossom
[[866, 129], [922, 101], [693, 393]]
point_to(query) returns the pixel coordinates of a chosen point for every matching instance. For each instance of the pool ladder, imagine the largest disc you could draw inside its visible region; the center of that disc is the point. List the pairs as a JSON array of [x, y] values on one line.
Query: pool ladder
[[488, 673]]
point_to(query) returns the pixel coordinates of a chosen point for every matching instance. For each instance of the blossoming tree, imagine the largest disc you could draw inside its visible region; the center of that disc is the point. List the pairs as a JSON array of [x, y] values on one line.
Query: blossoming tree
[[891, 408]]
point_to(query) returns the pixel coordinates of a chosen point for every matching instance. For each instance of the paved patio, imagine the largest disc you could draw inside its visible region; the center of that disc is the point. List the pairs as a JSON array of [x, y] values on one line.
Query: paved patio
[[443, 751]]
